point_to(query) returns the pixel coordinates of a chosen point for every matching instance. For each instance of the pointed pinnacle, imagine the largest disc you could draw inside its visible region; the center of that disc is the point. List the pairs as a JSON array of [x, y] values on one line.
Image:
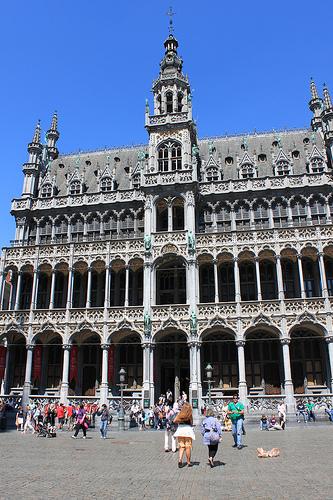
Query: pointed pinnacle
[[327, 98], [54, 123], [36, 137], [313, 88]]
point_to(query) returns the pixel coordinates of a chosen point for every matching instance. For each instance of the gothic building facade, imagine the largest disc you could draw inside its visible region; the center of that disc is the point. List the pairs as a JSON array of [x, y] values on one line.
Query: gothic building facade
[[167, 257]]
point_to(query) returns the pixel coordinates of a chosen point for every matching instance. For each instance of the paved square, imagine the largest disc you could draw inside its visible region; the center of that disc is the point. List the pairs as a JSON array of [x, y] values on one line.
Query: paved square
[[133, 465]]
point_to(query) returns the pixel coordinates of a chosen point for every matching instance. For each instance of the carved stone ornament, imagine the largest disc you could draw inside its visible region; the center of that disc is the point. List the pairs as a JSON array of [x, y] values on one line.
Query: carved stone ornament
[[169, 248], [306, 317], [125, 325], [217, 321], [260, 319]]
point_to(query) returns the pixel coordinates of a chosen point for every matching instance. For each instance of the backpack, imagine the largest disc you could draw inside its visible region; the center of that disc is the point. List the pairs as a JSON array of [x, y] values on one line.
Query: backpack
[[212, 435]]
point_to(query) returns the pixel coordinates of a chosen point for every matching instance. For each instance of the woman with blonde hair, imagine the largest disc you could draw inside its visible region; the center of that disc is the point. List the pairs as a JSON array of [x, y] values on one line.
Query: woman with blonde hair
[[184, 433]]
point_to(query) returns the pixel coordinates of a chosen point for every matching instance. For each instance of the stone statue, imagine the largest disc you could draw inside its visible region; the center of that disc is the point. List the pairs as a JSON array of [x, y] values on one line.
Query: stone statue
[[193, 321], [147, 242], [147, 323], [141, 155], [191, 241], [177, 388], [210, 147], [195, 150]]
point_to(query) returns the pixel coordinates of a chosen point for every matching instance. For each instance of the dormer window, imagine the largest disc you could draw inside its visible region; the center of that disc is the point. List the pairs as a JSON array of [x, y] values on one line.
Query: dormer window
[[136, 181], [247, 171], [229, 160], [46, 191], [106, 184], [295, 154], [282, 168], [317, 166], [75, 187], [262, 157], [169, 102], [212, 174]]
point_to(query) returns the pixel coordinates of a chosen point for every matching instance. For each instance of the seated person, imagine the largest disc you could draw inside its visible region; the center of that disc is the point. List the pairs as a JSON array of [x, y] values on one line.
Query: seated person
[[264, 423], [310, 409], [274, 425]]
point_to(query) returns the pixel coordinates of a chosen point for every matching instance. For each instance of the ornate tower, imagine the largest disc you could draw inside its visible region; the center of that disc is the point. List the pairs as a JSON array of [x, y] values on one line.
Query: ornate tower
[[327, 119], [316, 106], [52, 136], [31, 168]]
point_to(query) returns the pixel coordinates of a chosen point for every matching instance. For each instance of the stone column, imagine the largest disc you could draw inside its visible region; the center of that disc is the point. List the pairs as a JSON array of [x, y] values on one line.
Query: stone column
[[151, 373], [70, 287], [146, 353], [237, 280], [104, 390], [127, 269], [53, 278], [169, 217], [65, 373], [88, 300], [216, 281], [242, 386], [2, 288], [279, 277], [329, 341], [27, 377], [4, 385], [34, 290], [258, 279], [107, 287], [288, 383], [300, 274], [18, 291], [322, 272]]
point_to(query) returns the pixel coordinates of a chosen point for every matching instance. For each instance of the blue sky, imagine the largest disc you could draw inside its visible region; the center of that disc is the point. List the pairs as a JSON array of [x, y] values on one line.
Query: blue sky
[[249, 64]]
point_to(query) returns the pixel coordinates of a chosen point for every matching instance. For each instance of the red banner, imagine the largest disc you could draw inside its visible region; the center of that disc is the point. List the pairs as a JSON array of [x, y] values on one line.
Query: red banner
[[37, 366], [3, 351], [111, 356], [73, 364]]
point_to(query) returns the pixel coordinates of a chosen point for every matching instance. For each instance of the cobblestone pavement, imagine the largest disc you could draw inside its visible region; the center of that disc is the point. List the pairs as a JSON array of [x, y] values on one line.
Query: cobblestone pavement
[[133, 465]]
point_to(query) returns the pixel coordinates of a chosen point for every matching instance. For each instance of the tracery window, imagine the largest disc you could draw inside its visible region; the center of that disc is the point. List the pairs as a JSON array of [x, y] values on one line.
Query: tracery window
[[299, 211], [282, 168], [127, 225], [280, 213], [242, 216], [75, 187], [169, 157], [318, 210], [169, 102], [136, 181], [46, 191], [110, 225], [261, 219], [212, 174], [223, 217], [180, 102], [247, 171], [317, 165], [93, 227], [45, 231], [106, 184], [77, 230], [61, 231]]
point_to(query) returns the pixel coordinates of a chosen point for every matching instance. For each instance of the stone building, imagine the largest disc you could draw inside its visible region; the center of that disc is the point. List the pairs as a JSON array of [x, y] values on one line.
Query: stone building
[[164, 257]]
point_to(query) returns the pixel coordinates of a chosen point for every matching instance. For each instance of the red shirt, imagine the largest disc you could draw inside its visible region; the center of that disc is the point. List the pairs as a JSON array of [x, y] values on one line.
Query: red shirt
[[60, 412], [69, 411]]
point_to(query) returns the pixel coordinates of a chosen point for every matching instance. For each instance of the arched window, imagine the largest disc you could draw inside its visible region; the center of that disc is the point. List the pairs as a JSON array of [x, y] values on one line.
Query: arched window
[[161, 216], [77, 229], [261, 219], [169, 102], [205, 221], [169, 157], [226, 282], [299, 211], [110, 226], [45, 231], [171, 282], [207, 285], [159, 104], [223, 219], [127, 225], [318, 210], [311, 278], [75, 187], [247, 171], [242, 216], [290, 279], [212, 174], [268, 280], [280, 213], [178, 215], [46, 191], [248, 283], [282, 168], [180, 102], [93, 227], [61, 231], [106, 184]]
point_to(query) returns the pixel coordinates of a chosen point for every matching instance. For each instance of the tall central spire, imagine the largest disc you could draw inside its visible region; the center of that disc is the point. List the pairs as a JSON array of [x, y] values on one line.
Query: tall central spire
[[170, 13]]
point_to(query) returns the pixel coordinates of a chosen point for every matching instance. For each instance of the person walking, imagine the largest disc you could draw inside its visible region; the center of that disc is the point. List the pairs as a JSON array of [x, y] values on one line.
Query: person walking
[[170, 428], [236, 414], [19, 419], [81, 422], [212, 432], [28, 421], [103, 425], [184, 433]]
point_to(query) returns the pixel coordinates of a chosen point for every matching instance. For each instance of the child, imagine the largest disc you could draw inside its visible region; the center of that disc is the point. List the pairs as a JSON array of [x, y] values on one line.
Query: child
[[19, 419], [264, 423]]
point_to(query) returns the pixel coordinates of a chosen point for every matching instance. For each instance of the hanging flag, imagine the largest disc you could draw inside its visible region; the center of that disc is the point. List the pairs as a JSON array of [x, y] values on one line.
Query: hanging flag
[[111, 354], [3, 351], [73, 367], [37, 365]]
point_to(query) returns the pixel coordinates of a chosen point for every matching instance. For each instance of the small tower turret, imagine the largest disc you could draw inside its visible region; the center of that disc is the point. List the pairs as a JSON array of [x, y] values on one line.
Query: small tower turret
[[32, 167], [52, 135], [315, 105], [327, 119]]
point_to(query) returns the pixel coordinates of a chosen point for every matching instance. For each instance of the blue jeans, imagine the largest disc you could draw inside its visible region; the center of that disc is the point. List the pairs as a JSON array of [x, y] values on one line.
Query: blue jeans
[[103, 425], [237, 431]]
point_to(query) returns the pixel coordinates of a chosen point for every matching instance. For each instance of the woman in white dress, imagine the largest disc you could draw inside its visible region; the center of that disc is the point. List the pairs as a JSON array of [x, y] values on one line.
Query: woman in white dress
[[184, 434]]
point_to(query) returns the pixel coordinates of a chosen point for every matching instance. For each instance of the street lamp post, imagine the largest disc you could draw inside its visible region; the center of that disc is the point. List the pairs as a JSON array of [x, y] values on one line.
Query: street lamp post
[[121, 414], [209, 375]]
